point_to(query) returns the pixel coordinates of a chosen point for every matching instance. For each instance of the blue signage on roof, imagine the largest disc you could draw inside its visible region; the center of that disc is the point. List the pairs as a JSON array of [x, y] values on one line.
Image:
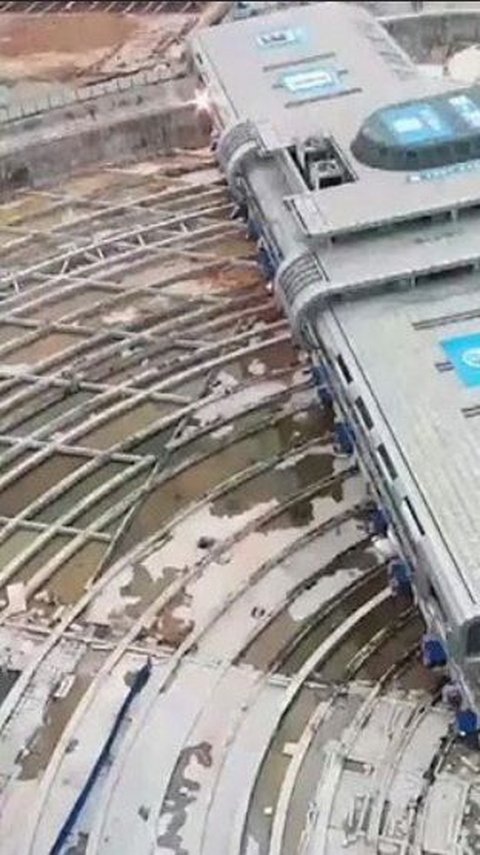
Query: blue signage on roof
[[416, 123], [316, 81], [280, 38], [464, 353]]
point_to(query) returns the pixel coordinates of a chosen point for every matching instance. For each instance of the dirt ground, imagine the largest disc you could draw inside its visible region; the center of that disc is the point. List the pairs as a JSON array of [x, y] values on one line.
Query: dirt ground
[[91, 45]]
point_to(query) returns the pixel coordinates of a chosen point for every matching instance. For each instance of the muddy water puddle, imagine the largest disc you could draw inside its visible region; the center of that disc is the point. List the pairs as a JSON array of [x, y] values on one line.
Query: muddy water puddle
[[416, 678], [93, 184], [71, 580], [43, 348], [181, 546], [8, 678], [9, 332], [274, 357], [317, 504], [392, 649], [57, 713], [258, 827], [107, 502], [125, 425], [15, 543], [42, 417], [321, 629], [155, 444], [193, 483], [11, 462], [293, 428], [41, 558], [125, 598], [81, 298], [274, 484], [79, 491], [144, 589], [324, 567], [33, 404], [31, 484], [182, 790], [383, 615]]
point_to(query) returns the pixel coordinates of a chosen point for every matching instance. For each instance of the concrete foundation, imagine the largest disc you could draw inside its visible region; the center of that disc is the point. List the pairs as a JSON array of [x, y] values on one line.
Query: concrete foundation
[[35, 157]]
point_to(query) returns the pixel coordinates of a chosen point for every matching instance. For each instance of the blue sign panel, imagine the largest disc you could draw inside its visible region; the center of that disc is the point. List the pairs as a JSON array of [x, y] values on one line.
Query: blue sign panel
[[280, 38], [317, 81], [464, 353], [416, 123]]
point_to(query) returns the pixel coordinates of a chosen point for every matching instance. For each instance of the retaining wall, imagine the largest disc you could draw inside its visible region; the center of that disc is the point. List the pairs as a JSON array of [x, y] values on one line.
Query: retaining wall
[[420, 34], [35, 157]]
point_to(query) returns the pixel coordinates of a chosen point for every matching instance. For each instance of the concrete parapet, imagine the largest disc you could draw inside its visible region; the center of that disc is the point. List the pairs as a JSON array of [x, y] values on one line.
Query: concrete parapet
[[49, 108]]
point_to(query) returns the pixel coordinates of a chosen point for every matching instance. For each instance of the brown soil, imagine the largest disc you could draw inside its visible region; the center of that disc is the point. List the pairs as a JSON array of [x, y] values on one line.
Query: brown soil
[[20, 36], [65, 47]]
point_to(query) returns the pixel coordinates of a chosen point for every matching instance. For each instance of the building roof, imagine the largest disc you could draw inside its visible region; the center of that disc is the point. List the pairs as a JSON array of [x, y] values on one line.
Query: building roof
[[336, 68], [417, 349], [409, 348]]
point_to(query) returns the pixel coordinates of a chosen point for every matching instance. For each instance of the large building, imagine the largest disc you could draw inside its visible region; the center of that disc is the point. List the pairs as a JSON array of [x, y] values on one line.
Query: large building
[[362, 179]]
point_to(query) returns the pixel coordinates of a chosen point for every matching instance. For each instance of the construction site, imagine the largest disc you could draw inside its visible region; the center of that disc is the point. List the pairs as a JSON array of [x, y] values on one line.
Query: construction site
[[199, 648]]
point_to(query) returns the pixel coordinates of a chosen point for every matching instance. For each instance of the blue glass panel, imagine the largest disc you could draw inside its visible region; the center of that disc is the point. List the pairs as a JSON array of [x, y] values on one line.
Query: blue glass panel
[[464, 353], [416, 123], [467, 109]]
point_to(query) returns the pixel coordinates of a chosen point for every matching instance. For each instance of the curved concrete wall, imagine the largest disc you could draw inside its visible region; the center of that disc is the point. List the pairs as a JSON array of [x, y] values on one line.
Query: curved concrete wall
[[420, 34], [169, 121]]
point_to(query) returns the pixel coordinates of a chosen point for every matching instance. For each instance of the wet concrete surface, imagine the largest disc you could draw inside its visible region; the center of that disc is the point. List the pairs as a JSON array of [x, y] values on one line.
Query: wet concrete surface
[[199, 478], [181, 793], [56, 714]]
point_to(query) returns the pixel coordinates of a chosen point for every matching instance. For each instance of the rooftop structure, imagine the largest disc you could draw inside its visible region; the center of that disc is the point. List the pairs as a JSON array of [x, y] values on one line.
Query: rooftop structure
[[366, 177]]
